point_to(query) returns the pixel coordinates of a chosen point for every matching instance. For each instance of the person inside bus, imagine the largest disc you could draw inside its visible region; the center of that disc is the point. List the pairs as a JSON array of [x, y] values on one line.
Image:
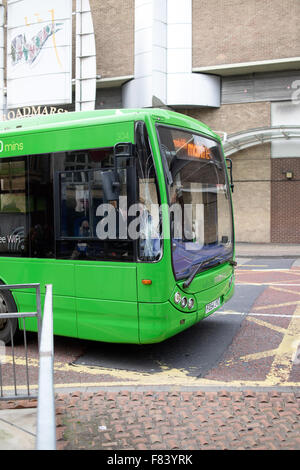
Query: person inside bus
[[80, 217], [84, 229], [82, 248], [150, 245]]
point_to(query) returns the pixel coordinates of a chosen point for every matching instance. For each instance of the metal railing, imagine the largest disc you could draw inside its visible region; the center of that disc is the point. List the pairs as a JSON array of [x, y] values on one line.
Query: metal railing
[[17, 315], [46, 426]]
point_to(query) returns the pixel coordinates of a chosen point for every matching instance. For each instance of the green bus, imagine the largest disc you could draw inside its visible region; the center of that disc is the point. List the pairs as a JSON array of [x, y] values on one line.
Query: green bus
[[127, 213]]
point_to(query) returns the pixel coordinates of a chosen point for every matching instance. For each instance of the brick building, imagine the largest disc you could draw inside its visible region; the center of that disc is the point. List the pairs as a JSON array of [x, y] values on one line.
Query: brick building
[[233, 64]]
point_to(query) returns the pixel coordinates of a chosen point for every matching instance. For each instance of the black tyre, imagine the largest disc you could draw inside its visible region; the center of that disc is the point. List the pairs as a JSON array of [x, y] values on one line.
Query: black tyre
[[7, 304]]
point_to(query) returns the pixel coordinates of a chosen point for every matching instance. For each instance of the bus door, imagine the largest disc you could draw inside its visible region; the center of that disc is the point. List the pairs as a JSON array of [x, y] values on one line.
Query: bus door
[[92, 231]]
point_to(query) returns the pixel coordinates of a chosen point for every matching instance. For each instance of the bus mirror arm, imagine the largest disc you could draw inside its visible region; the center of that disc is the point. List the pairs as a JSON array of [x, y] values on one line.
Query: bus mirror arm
[[124, 150]]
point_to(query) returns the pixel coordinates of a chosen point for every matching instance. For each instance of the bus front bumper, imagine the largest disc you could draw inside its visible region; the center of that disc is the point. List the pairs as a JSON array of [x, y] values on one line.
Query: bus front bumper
[[159, 321]]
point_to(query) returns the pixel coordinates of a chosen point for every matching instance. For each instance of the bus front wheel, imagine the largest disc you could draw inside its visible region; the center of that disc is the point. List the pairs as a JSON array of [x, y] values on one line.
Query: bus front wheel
[[8, 326]]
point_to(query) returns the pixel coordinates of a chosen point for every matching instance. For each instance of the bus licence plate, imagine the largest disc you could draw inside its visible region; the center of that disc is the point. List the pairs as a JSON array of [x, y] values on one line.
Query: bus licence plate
[[212, 305]]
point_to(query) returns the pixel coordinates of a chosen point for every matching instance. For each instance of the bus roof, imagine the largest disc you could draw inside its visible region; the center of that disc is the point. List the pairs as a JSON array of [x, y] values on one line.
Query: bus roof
[[72, 119]]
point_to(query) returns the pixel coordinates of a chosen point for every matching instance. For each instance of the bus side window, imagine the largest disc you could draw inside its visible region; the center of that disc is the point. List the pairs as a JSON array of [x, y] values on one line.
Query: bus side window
[[40, 205], [26, 207], [74, 191], [88, 226], [13, 207]]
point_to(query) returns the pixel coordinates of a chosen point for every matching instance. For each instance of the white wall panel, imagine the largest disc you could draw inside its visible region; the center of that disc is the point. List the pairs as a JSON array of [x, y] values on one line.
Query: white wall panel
[[179, 11], [150, 55], [163, 59], [179, 61], [285, 113], [180, 36], [189, 89], [85, 82]]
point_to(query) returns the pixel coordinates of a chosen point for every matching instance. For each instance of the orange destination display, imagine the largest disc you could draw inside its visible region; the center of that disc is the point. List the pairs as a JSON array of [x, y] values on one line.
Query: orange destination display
[[192, 149]]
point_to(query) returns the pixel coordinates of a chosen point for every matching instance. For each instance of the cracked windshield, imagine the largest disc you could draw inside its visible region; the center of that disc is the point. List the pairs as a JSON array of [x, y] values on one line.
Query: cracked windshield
[[200, 206]]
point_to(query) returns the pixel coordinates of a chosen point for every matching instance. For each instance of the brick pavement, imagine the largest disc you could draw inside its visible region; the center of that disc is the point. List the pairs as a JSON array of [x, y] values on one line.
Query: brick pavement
[[184, 420]]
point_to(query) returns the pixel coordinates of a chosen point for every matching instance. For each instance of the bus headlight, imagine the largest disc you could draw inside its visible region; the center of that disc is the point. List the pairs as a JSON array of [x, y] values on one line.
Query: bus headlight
[[177, 298], [191, 303], [184, 302]]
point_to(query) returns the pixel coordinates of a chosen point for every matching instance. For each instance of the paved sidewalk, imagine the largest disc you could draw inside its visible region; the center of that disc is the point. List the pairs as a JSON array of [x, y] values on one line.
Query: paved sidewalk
[[18, 424], [157, 419], [184, 420], [267, 250]]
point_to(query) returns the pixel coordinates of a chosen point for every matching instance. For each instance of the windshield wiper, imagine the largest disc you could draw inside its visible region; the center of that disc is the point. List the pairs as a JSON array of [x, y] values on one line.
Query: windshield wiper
[[197, 269]]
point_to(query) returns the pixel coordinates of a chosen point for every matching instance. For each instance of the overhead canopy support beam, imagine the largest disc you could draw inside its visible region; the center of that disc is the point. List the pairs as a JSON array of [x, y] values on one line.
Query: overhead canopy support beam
[[262, 135]]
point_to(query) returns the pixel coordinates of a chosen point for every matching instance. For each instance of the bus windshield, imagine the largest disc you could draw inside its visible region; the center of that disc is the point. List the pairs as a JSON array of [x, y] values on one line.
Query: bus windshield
[[199, 198]]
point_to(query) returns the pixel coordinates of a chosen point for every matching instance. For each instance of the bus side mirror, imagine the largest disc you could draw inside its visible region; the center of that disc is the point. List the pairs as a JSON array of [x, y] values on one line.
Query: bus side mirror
[[229, 167], [110, 178]]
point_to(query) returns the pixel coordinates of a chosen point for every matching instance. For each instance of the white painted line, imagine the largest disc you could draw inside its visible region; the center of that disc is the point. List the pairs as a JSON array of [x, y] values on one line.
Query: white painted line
[[277, 315], [243, 261], [287, 270], [265, 284]]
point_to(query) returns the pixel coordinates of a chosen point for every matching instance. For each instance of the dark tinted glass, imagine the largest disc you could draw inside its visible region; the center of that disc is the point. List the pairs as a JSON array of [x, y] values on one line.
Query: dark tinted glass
[[13, 207], [88, 225], [50, 207]]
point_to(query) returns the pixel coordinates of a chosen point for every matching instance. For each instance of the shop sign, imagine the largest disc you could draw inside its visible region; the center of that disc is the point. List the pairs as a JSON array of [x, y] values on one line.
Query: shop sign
[[29, 111]]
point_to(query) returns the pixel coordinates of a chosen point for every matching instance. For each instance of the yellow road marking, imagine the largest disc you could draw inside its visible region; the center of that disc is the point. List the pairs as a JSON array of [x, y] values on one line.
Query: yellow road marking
[[283, 363], [167, 376], [283, 355], [254, 356], [267, 325], [284, 304], [171, 382], [157, 382], [252, 266], [288, 291]]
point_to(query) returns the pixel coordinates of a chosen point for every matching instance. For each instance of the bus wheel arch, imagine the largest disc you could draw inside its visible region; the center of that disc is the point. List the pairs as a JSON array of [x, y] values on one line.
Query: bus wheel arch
[[7, 304]]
